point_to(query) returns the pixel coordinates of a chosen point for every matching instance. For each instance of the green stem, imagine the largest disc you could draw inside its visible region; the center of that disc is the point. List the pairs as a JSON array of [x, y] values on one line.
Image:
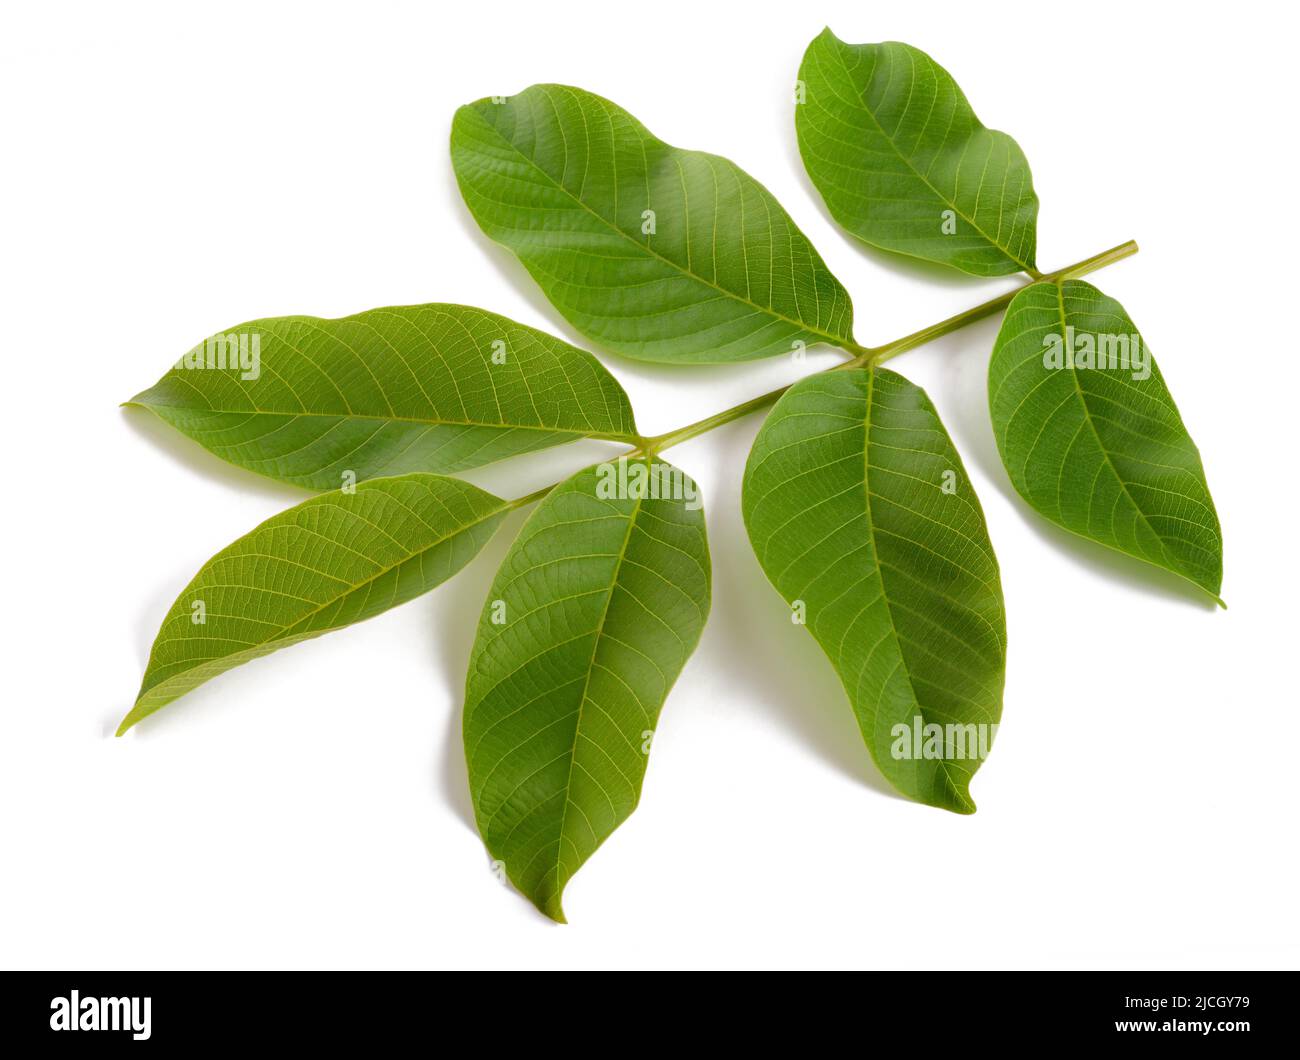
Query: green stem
[[865, 356], [880, 354], [691, 430], [536, 495]]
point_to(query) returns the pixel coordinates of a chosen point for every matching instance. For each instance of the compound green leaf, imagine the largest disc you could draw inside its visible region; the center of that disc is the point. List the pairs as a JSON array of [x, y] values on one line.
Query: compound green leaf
[[862, 517], [592, 616], [655, 252], [903, 163], [1090, 436], [331, 561], [437, 388]]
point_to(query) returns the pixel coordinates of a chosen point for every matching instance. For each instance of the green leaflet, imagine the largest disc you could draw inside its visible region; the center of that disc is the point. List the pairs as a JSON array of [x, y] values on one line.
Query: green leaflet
[[593, 614], [654, 252], [331, 561], [1090, 436], [861, 514], [436, 387], [896, 151]]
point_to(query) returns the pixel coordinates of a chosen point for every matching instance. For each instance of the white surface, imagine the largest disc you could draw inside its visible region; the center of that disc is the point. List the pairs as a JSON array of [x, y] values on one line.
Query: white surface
[[171, 170]]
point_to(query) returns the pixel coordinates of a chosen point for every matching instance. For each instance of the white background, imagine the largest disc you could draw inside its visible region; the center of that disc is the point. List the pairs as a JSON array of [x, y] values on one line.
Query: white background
[[171, 170]]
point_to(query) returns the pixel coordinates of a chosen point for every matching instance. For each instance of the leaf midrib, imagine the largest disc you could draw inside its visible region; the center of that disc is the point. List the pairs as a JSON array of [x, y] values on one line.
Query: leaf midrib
[[1173, 564], [646, 248], [586, 684], [871, 531], [577, 432], [884, 595]]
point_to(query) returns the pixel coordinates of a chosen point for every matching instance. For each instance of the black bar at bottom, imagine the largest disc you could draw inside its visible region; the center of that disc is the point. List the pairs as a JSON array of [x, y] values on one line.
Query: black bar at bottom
[[1224, 1010]]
